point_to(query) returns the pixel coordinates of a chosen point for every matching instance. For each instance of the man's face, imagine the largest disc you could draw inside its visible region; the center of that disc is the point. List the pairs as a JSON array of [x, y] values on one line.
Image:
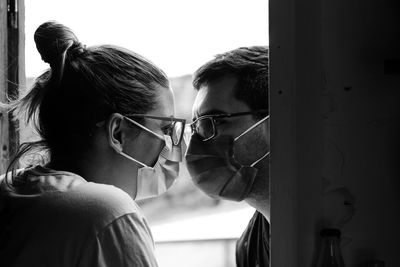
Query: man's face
[[217, 97]]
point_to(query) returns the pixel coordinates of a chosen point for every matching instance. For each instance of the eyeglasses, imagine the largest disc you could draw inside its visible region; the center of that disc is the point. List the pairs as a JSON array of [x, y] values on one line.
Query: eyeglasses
[[174, 129], [205, 126]]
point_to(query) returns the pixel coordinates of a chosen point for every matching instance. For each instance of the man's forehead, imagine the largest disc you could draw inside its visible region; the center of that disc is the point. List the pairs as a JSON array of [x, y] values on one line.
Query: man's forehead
[[218, 97], [208, 100]]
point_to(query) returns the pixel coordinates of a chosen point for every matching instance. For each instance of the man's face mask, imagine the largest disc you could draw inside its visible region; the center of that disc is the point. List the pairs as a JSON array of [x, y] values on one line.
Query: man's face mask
[[215, 170], [154, 181]]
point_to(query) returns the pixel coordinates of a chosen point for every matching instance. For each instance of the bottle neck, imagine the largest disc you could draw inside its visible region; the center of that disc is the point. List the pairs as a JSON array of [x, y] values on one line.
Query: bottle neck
[[330, 254], [331, 242]]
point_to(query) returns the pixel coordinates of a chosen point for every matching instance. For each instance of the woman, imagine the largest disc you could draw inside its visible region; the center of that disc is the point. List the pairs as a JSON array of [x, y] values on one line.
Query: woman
[[105, 117]]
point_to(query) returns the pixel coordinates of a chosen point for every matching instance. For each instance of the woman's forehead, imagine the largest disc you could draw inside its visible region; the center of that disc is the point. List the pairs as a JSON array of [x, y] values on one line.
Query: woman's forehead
[[165, 103]]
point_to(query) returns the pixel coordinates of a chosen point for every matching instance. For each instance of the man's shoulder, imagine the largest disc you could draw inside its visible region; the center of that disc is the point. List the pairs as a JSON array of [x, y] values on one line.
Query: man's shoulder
[[252, 248], [258, 224], [258, 217]]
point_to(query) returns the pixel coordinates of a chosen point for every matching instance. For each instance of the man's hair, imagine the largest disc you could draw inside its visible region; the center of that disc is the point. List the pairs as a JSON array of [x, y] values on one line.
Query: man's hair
[[249, 65]]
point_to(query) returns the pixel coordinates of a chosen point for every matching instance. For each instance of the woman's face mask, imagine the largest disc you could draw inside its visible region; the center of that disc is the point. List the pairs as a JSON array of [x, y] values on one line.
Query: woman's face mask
[[215, 170], [154, 181]]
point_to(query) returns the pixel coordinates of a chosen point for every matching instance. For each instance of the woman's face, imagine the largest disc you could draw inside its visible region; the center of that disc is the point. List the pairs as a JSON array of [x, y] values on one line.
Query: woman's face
[[138, 144], [146, 147]]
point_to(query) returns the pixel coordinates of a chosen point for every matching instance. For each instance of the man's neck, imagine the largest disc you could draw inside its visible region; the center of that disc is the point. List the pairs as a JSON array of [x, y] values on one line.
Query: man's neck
[[261, 205], [259, 195]]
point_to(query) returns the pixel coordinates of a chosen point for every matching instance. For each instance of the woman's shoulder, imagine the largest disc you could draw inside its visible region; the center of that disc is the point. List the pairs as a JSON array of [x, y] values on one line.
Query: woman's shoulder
[[104, 198], [94, 204], [65, 196], [100, 209]]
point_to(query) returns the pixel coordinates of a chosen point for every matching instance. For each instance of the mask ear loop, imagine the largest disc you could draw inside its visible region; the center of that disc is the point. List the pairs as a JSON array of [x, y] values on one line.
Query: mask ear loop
[[129, 157], [102, 123], [145, 128], [252, 127], [248, 130], [260, 159]]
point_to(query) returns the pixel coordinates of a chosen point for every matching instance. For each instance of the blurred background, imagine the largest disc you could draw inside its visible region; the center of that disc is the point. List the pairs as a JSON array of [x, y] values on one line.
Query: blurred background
[[189, 228]]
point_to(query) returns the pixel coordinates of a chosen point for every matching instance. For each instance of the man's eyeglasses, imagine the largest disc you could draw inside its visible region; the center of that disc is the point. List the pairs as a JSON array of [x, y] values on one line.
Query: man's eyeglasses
[[174, 129], [205, 126]]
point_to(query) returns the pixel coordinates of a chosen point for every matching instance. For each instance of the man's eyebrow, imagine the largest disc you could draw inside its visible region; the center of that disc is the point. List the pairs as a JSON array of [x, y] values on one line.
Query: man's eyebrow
[[210, 112]]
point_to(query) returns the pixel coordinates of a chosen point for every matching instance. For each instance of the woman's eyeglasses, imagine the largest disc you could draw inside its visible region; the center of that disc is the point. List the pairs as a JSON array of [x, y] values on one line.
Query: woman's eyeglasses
[[174, 129], [205, 126]]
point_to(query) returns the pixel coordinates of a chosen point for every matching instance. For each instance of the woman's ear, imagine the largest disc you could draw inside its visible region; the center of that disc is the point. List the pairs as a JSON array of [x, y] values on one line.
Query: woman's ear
[[114, 127]]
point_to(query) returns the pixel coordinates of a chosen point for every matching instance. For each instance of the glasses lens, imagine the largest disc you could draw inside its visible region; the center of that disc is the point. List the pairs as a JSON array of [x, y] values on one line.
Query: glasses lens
[[177, 132], [205, 128], [187, 133]]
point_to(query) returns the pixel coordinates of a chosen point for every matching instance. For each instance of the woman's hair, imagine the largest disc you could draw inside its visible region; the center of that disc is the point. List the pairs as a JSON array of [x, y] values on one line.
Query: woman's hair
[[83, 86]]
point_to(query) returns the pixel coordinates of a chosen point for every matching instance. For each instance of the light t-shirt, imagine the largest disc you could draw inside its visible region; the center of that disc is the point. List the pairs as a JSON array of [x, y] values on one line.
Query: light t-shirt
[[57, 218]]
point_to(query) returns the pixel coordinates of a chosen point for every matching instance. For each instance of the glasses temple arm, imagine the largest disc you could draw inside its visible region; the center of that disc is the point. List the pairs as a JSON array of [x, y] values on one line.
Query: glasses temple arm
[[145, 128]]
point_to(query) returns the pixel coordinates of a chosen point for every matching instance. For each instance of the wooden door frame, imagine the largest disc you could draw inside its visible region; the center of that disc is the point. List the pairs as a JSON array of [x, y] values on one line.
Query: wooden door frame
[[12, 72], [296, 83]]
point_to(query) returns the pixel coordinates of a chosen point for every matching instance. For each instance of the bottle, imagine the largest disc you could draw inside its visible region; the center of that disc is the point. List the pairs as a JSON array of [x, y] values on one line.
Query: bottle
[[330, 254]]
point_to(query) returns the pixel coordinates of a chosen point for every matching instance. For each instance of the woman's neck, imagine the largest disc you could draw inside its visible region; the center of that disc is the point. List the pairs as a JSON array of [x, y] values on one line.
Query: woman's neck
[[63, 165]]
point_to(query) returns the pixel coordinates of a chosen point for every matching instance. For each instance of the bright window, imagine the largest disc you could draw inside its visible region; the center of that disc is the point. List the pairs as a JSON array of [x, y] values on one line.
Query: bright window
[[178, 36]]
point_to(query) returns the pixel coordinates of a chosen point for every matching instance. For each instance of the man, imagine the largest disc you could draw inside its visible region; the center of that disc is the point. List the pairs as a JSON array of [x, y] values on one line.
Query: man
[[228, 153]]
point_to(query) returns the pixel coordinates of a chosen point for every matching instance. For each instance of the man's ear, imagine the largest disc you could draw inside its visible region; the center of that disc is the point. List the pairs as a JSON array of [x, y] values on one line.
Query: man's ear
[[114, 126]]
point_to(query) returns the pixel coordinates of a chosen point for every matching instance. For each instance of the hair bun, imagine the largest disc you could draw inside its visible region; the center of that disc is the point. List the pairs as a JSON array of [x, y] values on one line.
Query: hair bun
[[53, 40]]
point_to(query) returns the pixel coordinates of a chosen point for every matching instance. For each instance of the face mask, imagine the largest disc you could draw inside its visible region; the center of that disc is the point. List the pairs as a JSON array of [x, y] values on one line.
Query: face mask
[[154, 181], [214, 169], [173, 152]]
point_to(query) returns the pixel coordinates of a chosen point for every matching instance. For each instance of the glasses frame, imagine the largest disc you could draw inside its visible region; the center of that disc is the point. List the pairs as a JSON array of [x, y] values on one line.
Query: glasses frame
[[212, 117], [172, 119]]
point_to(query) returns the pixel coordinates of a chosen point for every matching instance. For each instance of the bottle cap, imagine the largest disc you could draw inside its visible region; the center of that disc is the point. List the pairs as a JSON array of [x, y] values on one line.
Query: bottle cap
[[333, 232]]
